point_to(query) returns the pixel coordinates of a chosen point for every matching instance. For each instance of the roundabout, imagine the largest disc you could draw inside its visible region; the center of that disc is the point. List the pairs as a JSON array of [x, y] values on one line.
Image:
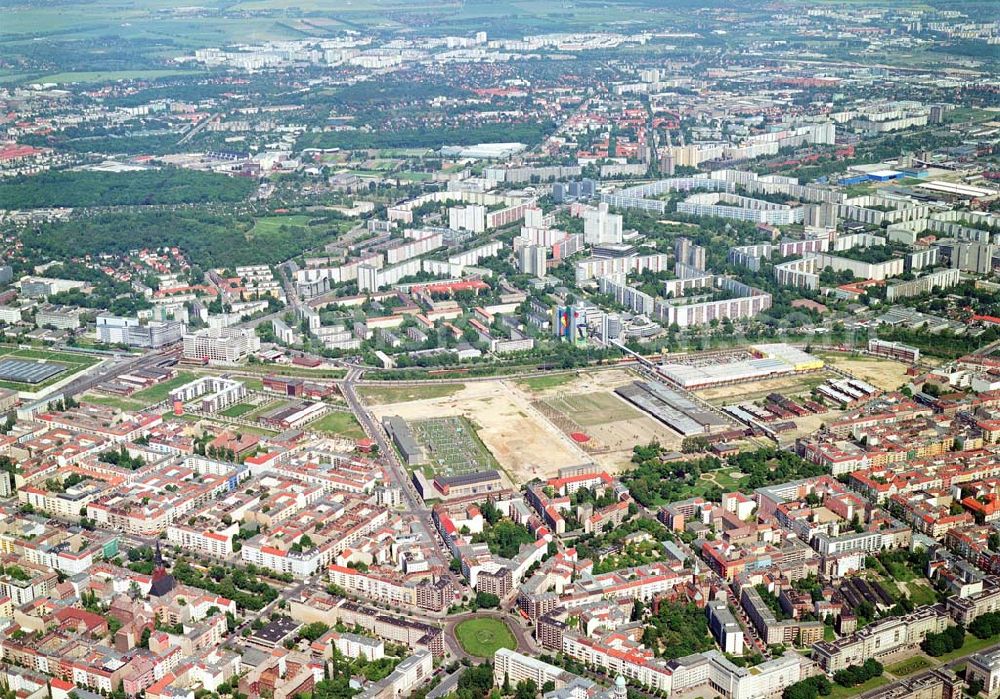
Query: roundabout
[[482, 636]]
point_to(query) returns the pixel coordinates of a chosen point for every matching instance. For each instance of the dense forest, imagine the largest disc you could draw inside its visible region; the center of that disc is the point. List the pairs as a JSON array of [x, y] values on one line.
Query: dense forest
[[429, 138], [82, 188], [215, 240]]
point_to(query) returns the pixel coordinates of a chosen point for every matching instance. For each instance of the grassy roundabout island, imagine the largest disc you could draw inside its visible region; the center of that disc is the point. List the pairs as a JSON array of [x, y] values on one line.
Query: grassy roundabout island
[[482, 637]]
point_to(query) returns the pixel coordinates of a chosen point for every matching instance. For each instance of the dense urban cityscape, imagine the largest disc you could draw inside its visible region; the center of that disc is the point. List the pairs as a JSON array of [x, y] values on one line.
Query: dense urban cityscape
[[464, 350]]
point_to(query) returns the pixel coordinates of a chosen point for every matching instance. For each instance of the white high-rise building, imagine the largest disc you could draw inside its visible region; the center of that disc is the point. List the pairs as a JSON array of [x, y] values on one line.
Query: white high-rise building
[[534, 217], [601, 227], [973, 257], [467, 218], [531, 260]]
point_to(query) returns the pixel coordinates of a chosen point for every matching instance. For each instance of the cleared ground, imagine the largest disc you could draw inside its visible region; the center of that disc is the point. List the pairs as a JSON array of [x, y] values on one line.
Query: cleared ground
[[524, 443], [398, 394], [593, 408], [161, 391], [113, 402], [613, 427], [881, 373], [792, 386], [796, 387], [585, 402]]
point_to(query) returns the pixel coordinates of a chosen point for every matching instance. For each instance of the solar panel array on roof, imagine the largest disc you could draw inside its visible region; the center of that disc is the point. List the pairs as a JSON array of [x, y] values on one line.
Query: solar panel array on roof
[[28, 371]]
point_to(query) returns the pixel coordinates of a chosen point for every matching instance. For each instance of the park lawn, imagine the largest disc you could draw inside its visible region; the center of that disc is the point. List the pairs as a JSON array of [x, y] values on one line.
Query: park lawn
[[237, 410], [856, 691], [971, 645], [339, 423], [909, 666], [483, 637], [404, 394], [253, 384], [921, 594], [540, 383], [161, 391]]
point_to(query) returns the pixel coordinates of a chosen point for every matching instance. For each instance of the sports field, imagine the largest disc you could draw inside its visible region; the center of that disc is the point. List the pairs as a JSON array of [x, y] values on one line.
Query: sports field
[[237, 410], [593, 408]]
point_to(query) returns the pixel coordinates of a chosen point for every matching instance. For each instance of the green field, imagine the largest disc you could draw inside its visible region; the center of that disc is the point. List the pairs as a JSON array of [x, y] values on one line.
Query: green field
[[849, 692], [971, 645], [283, 370], [909, 666], [161, 391], [238, 410], [113, 402], [72, 362], [483, 637], [271, 224], [339, 424], [541, 383], [596, 408], [381, 395], [921, 594], [253, 384], [109, 76]]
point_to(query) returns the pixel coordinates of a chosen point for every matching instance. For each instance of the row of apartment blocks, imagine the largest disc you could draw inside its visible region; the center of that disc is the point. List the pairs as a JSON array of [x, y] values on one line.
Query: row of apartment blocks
[[432, 594], [316, 605], [749, 303], [616, 654], [892, 634]]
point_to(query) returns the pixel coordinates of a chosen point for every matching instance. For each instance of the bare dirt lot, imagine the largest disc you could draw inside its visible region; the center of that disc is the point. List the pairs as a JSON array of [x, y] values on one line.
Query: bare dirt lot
[[587, 403], [524, 443], [881, 373], [526, 423], [791, 386]]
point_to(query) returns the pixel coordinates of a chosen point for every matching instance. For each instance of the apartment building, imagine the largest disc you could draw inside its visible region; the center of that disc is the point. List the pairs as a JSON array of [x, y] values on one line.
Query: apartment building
[[511, 667], [880, 638]]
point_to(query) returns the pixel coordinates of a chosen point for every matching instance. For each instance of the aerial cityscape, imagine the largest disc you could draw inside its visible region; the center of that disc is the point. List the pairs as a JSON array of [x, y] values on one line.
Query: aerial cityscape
[[510, 349]]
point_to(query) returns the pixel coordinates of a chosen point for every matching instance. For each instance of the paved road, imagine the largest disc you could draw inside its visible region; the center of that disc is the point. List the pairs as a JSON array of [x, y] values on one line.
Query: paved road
[[415, 506], [448, 685], [194, 131], [114, 369]]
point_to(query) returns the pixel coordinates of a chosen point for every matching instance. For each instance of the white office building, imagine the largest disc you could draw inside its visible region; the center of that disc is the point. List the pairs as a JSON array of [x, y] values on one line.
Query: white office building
[[227, 345]]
